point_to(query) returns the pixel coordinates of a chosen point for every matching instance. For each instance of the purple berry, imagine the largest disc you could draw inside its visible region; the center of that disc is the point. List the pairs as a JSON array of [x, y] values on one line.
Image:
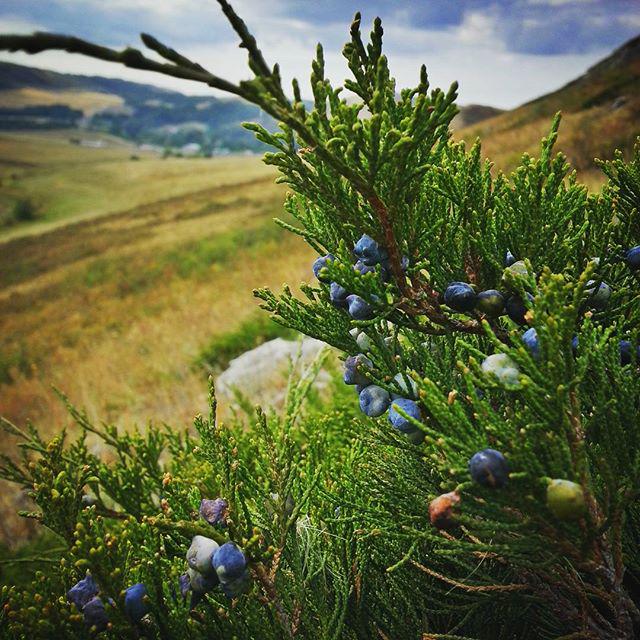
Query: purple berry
[[459, 296], [214, 511], [489, 468], [134, 602], [354, 367], [374, 401], [399, 422]]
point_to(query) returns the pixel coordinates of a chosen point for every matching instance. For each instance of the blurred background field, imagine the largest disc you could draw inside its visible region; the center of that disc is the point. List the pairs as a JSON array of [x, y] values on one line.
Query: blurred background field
[[126, 266], [116, 292]]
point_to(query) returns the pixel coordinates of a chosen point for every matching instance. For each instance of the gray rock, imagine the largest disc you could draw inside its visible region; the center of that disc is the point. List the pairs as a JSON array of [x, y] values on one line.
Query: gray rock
[[260, 374]]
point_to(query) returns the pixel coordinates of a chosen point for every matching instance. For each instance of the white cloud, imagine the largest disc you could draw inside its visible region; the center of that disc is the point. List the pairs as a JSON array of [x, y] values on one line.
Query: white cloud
[[17, 24], [476, 28], [472, 53], [559, 3]]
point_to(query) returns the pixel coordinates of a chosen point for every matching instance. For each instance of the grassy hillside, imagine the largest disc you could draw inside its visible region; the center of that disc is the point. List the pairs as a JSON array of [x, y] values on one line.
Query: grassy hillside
[[64, 181], [116, 307], [601, 112]]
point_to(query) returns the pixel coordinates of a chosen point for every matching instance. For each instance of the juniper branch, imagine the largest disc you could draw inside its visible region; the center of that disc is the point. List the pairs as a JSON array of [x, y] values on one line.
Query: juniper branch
[[129, 57]]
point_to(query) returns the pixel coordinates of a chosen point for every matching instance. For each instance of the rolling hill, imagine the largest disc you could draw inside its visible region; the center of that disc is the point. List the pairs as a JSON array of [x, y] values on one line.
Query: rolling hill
[[38, 99], [601, 112]]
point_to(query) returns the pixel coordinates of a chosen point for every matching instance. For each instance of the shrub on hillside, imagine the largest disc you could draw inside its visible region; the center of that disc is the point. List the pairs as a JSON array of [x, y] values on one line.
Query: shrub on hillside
[[490, 325]]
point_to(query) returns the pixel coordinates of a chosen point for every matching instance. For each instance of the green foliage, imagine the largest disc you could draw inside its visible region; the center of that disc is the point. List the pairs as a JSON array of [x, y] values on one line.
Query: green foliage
[[333, 511]]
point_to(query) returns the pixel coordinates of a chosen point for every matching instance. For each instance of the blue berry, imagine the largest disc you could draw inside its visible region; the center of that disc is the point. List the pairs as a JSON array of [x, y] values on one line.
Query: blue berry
[[229, 562], [399, 422], [489, 468], [626, 352], [200, 553], [363, 268], [490, 302], [598, 298], [184, 584], [134, 602], [369, 251], [83, 591], [516, 308], [459, 296], [338, 295], [530, 339], [574, 345], [359, 309], [237, 586], [374, 401], [95, 615], [632, 258], [353, 369], [509, 259], [214, 511], [320, 263]]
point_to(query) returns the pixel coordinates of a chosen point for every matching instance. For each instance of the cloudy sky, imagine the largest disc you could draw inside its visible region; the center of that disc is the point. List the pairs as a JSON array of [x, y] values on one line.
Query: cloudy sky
[[502, 52]]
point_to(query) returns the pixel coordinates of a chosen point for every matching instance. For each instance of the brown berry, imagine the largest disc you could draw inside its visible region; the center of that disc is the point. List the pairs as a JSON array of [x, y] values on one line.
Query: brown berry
[[441, 510]]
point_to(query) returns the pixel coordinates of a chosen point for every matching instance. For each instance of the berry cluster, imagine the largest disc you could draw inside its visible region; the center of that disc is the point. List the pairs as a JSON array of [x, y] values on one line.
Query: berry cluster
[[490, 469], [370, 257], [374, 400], [211, 565], [84, 595], [462, 298]]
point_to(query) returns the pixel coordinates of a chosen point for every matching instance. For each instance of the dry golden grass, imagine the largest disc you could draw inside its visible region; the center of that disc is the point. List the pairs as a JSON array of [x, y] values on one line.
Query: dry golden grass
[[65, 181], [115, 311], [89, 102], [585, 134], [114, 308]]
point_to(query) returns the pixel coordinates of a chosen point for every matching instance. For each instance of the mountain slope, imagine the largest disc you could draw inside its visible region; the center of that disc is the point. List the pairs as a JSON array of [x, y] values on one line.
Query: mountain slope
[[601, 112], [139, 112], [471, 114]]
